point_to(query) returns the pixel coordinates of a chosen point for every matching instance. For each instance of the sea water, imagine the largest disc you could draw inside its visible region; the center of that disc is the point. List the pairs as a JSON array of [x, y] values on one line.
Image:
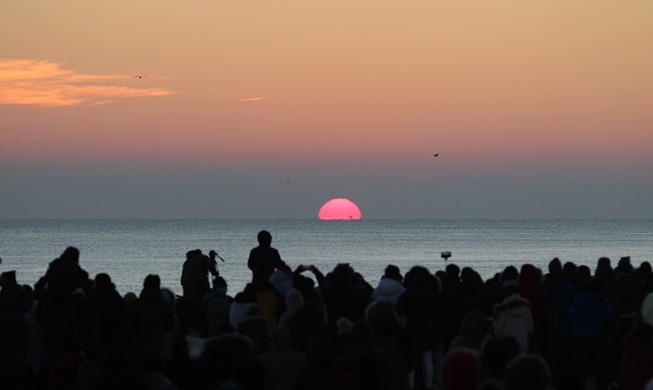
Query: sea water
[[129, 250]]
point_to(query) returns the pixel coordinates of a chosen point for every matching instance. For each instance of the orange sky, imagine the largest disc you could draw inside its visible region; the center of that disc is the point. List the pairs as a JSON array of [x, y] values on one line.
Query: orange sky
[[372, 87]]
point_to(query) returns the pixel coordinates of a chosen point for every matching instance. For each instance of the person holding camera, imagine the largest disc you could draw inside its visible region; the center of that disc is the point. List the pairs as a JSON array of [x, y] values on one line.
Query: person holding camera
[[197, 266]]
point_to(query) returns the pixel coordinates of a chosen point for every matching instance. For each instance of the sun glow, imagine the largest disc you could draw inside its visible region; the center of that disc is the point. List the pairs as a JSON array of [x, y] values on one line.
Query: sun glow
[[339, 208]]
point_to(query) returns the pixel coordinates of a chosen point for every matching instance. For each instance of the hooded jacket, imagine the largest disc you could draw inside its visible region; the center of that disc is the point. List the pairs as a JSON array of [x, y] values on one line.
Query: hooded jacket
[[388, 290], [530, 289], [294, 300], [514, 319], [589, 316]]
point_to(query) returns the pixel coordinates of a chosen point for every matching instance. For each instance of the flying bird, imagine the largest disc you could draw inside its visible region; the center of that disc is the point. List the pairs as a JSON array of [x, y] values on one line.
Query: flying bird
[[140, 77], [436, 155]]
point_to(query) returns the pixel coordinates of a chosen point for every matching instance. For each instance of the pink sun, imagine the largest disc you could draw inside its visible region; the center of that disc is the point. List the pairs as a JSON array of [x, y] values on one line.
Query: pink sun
[[339, 208]]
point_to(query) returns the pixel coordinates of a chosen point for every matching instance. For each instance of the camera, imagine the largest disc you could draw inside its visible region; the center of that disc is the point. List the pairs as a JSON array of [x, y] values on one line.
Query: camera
[[445, 255]]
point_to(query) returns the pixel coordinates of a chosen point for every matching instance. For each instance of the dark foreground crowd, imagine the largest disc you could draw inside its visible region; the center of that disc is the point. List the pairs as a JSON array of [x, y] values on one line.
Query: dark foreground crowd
[[569, 328]]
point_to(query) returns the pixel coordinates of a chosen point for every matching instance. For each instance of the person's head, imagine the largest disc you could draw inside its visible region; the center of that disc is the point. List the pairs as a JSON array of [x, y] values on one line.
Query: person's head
[[527, 371], [603, 261], [509, 273], [569, 268], [152, 281], [342, 275], [71, 253], [461, 369], [102, 280], [624, 266], [452, 271], [380, 312], [130, 297], [219, 282], [392, 272], [417, 278], [264, 238], [555, 266], [193, 253]]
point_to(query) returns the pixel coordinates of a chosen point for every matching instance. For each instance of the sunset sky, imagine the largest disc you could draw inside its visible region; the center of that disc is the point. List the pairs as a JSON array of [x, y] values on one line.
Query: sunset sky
[[268, 109]]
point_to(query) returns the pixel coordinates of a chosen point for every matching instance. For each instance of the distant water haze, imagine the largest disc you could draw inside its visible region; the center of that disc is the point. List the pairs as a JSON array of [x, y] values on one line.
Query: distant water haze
[[129, 250]]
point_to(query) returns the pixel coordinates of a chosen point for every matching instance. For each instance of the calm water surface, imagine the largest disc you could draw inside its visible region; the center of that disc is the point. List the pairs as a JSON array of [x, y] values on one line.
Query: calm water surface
[[128, 250]]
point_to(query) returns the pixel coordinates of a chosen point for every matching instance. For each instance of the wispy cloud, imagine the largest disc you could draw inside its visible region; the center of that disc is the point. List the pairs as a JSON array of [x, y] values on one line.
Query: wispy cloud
[[45, 83], [419, 176], [251, 99]]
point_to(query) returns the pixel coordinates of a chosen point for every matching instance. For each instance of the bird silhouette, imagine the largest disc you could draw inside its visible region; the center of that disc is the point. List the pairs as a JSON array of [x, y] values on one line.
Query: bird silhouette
[[436, 155], [140, 77]]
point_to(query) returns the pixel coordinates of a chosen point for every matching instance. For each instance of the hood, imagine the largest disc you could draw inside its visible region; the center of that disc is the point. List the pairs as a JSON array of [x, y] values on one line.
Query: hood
[[390, 287], [282, 281], [294, 300], [461, 370], [381, 312], [529, 274], [513, 305]]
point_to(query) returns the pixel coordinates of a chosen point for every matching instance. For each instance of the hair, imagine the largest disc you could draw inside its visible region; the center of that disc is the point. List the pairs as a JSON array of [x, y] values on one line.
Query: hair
[[417, 278], [219, 281], [152, 281], [392, 272], [510, 272], [555, 266], [458, 366], [71, 253], [102, 279], [452, 271], [264, 237], [569, 267]]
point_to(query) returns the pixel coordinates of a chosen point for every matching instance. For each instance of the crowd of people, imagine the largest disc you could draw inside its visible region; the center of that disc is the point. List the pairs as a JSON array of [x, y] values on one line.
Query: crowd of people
[[567, 328]]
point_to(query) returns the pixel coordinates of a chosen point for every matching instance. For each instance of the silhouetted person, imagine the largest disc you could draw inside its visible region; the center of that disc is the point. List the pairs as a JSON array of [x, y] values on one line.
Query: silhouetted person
[[58, 368], [197, 267], [346, 294], [110, 327], [118, 371], [393, 338], [148, 318], [390, 287], [263, 258], [591, 318], [229, 358], [14, 342], [637, 358], [419, 306]]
